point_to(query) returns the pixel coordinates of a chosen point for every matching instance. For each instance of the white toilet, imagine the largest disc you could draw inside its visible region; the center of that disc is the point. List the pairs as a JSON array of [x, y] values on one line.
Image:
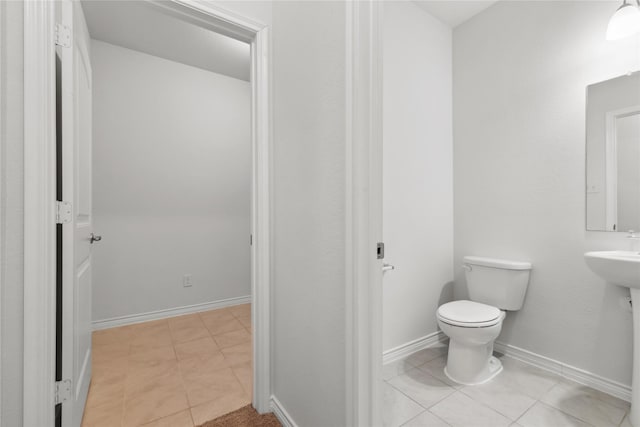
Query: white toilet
[[494, 285]]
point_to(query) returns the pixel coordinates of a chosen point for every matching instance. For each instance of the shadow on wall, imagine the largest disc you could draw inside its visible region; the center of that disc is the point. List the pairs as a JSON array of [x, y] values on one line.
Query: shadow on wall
[[446, 294]]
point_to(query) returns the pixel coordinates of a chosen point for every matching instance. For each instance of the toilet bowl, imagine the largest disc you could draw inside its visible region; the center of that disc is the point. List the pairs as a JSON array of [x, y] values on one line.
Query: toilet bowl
[[472, 325], [472, 328]]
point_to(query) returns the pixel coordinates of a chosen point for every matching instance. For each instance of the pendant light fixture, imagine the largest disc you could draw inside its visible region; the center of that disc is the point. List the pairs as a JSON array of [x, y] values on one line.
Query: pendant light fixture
[[625, 22]]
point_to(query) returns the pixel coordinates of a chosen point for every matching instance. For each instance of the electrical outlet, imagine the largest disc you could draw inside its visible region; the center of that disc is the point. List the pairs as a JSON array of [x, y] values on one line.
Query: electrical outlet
[[186, 281]]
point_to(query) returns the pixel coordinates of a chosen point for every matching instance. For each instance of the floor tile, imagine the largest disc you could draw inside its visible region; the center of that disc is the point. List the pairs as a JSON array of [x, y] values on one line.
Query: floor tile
[[245, 320], [202, 365], [510, 402], [217, 327], [151, 356], [423, 356], [395, 368], [530, 380], [238, 354], [216, 315], [153, 404], [397, 408], [167, 372], [421, 387], [459, 410], [106, 388], [187, 328], [244, 374], [541, 415], [205, 385], [108, 414], [586, 404], [242, 310], [229, 339], [199, 348], [226, 403], [181, 419], [147, 378], [117, 335], [435, 368], [149, 337], [109, 352], [425, 419]]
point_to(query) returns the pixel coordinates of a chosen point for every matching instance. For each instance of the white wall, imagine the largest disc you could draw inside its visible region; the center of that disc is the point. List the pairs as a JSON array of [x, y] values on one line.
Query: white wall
[[11, 213], [520, 73], [171, 188], [418, 171], [309, 211]]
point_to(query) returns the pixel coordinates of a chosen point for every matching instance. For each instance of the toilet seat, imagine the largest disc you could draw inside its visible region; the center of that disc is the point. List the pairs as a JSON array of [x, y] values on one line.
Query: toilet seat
[[469, 314]]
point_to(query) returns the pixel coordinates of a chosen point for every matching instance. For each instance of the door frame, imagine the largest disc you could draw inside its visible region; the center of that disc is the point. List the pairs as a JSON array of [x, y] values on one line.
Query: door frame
[[39, 196], [611, 164], [363, 205]]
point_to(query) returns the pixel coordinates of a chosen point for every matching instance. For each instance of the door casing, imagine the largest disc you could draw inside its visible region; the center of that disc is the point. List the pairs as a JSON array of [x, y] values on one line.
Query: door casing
[[40, 196]]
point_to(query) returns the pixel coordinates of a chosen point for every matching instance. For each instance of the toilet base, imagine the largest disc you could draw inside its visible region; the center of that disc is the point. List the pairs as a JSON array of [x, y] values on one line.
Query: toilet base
[[495, 367], [471, 363]]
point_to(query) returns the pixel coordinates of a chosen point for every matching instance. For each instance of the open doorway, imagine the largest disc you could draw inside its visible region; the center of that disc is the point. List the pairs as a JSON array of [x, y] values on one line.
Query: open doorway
[[171, 197], [74, 215]]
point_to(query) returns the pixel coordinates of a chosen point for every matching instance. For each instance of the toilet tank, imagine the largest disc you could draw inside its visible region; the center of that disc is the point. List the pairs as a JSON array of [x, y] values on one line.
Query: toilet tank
[[497, 282]]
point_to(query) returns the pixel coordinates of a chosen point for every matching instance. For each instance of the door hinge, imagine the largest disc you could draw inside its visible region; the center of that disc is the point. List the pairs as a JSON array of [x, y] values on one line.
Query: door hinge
[[380, 250], [63, 35], [63, 212], [63, 391], [250, 239]]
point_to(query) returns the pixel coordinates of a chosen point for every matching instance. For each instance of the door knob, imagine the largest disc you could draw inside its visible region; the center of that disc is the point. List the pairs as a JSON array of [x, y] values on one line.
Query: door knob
[[387, 267], [94, 238]]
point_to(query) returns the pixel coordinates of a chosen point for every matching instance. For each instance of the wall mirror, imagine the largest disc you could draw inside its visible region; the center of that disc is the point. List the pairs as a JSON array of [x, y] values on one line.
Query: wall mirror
[[613, 154]]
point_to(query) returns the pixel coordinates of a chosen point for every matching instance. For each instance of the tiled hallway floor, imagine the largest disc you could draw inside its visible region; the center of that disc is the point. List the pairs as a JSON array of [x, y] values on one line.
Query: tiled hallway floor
[[173, 372], [417, 393]]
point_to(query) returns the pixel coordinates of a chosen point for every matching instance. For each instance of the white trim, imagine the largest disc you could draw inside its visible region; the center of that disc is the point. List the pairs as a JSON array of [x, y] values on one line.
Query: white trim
[[168, 312], [611, 164], [85, 370], [596, 382], [407, 349], [39, 214], [363, 204], [613, 388], [281, 414], [261, 219], [39, 219], [611, 173], [3, 106]]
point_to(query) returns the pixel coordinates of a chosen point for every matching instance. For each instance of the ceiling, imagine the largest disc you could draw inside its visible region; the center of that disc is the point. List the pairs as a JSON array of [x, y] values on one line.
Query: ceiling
[[454, 12], [140, 26]]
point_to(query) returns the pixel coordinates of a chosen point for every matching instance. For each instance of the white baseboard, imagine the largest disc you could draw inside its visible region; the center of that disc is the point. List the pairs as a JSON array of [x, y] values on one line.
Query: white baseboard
[[411, 347], [281, 414], [169, 312], [613, 388]]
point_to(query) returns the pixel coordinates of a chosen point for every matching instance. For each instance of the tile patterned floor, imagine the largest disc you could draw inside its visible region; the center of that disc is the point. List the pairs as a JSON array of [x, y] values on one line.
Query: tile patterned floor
[[417, 393], [174, 372]]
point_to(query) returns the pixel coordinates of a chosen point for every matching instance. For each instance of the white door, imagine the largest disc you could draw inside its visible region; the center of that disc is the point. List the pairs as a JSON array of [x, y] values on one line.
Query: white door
[[76, 189]]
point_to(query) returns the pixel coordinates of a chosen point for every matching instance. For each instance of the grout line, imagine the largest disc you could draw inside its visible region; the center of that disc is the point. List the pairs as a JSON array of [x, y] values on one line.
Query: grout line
[[415, 401], [413, 418]]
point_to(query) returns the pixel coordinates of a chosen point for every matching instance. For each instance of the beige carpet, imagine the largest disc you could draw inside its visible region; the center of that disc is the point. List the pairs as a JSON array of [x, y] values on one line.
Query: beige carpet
[[244, 417]]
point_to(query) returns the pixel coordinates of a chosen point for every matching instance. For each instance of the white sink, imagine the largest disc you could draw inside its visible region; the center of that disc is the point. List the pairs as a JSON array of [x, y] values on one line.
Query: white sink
[[622, 268]]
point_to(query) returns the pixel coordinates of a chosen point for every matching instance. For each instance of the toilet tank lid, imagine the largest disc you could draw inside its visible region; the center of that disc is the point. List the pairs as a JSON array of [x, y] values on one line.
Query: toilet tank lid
[[497, 263]]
